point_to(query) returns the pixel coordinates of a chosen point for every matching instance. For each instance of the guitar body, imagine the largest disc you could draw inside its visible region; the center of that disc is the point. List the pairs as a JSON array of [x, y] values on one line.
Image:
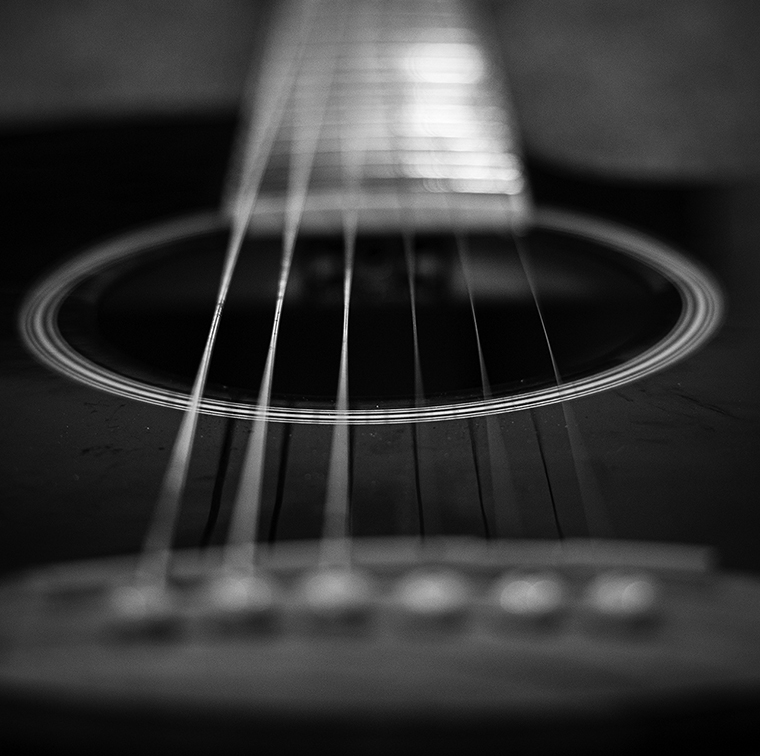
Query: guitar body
[[675, 453], [674, 456]]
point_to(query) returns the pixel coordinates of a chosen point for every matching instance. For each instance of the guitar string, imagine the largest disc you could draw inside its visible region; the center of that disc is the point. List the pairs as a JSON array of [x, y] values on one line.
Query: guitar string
[[337, 499], [225, 453], [538, 434], [312, 88], [405, 220], [279, 494], [153, 563], [335, 549], [597, 518], [291, 23], [463, 253], [419, 389], [442, 14], [430, 521], [591, 499], [487, 534], [500, 476]]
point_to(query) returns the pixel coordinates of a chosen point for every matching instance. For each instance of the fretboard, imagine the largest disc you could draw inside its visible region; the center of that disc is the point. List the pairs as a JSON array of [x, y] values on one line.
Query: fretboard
[[395, 107]]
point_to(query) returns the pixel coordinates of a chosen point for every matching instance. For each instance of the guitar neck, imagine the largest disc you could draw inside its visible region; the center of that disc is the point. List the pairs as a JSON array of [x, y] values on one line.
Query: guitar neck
[[403, 109]]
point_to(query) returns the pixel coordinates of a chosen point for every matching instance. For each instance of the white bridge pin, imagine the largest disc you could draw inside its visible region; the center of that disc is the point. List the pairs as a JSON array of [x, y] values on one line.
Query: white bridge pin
[[432, 598], [336, 599], [531, 599], [242, 601], [622, 600], [142, 610]]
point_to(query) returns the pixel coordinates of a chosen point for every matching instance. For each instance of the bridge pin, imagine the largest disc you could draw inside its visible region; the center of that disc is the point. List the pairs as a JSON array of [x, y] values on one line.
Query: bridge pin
[[238, 601], [336, 599], [435, 599], [620, 600], [142, 610], [531, 600]]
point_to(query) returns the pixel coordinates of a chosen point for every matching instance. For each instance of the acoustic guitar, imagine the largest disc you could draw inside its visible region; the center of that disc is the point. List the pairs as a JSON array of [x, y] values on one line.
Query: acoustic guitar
[[384, 453]]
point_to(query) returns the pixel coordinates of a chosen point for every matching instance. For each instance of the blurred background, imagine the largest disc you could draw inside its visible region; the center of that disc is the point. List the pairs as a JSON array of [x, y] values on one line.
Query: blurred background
[[664, 93], [643, 88]]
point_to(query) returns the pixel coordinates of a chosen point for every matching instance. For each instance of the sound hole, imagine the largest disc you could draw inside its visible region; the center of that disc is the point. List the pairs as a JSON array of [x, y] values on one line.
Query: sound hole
[[145, 316]]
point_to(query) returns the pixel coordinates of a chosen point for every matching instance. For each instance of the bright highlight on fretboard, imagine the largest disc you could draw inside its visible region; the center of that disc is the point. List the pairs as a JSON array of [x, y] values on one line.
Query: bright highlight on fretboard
[[427, 115]]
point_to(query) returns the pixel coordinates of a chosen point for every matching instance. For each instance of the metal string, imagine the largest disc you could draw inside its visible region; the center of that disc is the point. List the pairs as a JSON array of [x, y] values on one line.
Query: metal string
[[500, 476], [597, 518], [313, 88], [154, 561]]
